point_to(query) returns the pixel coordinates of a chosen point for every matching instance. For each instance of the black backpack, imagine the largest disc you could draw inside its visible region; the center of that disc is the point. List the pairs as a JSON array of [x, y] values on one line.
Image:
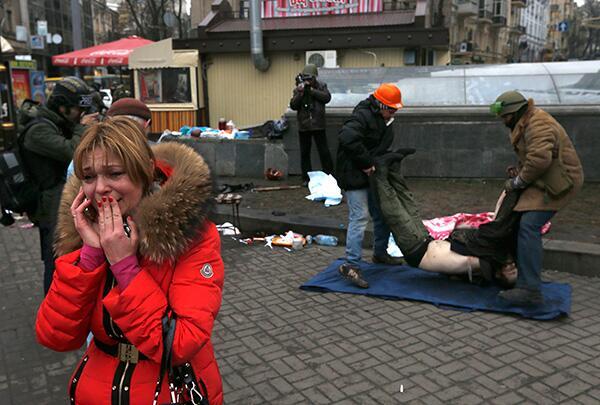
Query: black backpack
[[18, 193]]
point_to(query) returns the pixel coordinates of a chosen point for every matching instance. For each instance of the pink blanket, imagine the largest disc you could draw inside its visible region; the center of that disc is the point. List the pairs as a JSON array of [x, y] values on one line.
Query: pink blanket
[[441, 228]]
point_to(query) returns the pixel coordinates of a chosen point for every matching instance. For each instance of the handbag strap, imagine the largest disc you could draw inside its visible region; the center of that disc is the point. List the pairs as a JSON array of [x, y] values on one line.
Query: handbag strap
[[168, 334]]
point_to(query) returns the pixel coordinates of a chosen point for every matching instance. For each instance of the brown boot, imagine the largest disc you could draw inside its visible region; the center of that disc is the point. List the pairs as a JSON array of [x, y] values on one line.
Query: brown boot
[[352, 273]]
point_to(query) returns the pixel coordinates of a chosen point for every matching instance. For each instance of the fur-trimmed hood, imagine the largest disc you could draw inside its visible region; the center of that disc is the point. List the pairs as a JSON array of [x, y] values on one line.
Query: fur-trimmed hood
[[168, 219]]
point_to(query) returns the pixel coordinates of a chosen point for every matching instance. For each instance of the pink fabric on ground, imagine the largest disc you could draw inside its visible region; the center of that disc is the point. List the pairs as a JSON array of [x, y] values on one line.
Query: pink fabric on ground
[[125, 270], [441, 228], [91, 257]]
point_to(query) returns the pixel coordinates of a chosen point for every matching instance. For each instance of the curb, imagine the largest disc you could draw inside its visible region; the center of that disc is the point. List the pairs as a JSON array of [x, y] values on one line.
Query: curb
[[565, 256]]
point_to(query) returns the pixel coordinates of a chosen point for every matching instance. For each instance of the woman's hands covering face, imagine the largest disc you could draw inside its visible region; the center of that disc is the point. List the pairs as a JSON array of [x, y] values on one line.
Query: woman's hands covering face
[[87, 229], [113, 239], [107, 232]]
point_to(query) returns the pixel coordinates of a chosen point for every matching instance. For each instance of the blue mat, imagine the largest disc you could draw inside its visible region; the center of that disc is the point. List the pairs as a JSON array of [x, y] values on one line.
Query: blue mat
[[403, 282]]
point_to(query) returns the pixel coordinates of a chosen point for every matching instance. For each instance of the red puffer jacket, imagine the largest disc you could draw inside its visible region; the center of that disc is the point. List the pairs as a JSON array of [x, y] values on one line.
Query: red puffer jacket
[[181, 270]]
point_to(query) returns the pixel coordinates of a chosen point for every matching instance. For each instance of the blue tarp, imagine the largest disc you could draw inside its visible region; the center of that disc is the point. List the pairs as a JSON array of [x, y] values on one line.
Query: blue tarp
[[403, 282]]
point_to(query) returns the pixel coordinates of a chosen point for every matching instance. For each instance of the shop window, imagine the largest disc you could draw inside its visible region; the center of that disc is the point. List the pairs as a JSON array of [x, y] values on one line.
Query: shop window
[[244, 9], [168, 85], [427, 57], [410, 57]]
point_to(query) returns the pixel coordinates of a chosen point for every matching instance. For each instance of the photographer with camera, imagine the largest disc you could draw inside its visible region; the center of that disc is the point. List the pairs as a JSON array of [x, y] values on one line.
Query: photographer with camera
[[309, 99], [49, 135]]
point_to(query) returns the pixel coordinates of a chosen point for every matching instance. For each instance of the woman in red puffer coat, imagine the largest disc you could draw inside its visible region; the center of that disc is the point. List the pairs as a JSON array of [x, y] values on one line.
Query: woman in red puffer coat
[[134, 246]]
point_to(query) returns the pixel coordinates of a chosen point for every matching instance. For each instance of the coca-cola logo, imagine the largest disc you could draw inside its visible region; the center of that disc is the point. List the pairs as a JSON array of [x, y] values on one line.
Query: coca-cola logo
[[111, 52], [115, 61]]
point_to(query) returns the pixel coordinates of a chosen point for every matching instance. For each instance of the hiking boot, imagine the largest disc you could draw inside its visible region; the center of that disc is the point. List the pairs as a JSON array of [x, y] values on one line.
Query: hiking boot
[[352, 273], [522, 296], [387, 259]]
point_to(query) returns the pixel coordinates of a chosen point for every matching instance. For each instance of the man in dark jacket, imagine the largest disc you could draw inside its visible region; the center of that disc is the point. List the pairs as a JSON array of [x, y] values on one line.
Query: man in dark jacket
[[309, 99], [53, 132], [367, 134]]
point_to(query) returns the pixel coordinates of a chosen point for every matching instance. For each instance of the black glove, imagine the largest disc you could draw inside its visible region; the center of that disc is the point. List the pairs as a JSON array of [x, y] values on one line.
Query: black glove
[[516, 183]]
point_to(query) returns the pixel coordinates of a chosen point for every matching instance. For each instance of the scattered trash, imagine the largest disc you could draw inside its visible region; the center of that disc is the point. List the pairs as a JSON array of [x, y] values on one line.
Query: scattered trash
[[228, 229], [288, 239], [326, 240], [273, 174], [393, 249], [275, 188], [232, 188], [323, 186]]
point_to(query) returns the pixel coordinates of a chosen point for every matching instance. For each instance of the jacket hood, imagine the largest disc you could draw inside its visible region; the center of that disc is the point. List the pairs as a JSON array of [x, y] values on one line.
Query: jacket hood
[[168, 219], [31, 109]]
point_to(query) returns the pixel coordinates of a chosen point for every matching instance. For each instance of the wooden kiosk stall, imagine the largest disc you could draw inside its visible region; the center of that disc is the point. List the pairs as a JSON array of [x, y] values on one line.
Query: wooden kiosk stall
[[167, 80]]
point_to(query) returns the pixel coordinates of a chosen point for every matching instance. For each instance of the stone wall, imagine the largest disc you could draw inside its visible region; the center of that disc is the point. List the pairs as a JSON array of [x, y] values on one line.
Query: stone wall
[[460, 141]]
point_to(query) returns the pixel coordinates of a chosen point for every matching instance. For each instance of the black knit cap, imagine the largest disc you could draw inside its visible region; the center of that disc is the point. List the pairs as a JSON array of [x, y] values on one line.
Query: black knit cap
[[72, 92]]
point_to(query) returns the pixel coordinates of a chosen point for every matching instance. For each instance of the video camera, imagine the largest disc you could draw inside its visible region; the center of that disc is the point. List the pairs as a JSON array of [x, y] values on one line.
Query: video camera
[[303, 78]]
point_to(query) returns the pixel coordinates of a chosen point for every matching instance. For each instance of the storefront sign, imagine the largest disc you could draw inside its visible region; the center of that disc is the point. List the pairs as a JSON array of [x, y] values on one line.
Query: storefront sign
[[21, 88], [37, 86], [21, 33], [23, 64], [42, 27], [299, 8], [37, 42]]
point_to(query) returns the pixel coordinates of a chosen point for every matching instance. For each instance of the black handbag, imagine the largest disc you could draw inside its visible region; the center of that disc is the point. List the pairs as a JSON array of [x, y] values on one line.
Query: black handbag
[[184, 387]]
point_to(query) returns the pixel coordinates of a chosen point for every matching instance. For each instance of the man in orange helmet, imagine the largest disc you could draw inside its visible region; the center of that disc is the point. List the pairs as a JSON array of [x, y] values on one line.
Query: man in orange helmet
[[365, 136]]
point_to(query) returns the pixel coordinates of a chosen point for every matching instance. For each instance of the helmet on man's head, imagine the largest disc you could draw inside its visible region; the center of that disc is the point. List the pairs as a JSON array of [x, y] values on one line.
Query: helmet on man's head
[[71, 92], [389, 95], [310, 70], [508, 102]]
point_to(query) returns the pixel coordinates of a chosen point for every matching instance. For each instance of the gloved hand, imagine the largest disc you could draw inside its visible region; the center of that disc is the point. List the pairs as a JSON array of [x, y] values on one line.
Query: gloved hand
[[516, 183], [512, 171]]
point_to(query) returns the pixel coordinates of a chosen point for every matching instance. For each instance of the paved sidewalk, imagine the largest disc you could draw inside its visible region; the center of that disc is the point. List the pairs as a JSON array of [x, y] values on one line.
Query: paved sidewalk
[[277, 344]]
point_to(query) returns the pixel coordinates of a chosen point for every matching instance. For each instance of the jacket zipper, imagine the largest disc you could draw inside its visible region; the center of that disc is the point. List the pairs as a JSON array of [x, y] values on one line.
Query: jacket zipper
[[121, 383]]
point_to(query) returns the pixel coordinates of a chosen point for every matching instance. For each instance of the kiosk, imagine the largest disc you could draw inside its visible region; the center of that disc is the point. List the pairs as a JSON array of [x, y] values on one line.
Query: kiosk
[[167, 80]]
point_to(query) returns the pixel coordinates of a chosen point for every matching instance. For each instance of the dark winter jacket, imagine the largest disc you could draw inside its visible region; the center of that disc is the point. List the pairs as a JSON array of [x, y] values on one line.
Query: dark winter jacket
[[181, 270], [363, 137], [311, 106], [47, 150]]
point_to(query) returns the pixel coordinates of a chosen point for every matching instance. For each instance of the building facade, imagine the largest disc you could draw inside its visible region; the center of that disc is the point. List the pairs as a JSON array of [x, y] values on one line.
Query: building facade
[[535, 20], [561, 24], [397, 33]]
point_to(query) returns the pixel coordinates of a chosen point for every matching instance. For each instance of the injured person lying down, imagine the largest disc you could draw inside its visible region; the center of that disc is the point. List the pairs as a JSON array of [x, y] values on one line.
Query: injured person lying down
[[483, 254]]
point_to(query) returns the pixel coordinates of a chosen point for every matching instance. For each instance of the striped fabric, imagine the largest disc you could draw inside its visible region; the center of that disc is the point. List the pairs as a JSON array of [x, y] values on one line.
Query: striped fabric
[[307, 8], [172, 120]]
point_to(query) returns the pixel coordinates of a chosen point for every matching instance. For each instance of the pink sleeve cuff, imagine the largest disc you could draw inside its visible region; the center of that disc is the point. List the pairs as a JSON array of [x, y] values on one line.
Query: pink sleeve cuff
[[90, 257], [125, 270]]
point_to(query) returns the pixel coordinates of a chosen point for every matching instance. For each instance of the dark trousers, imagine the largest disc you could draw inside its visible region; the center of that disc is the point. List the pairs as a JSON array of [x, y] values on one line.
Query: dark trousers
[[46, 238], [529, 248], [306, 138]]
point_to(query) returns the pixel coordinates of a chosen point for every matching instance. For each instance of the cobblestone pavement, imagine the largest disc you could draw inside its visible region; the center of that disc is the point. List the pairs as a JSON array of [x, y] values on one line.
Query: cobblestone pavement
[[277, 344]]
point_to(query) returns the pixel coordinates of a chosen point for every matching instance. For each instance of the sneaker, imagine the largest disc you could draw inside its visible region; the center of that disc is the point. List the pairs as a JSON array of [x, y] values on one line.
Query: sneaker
[[387, 259], [353, 274], [522, 296]]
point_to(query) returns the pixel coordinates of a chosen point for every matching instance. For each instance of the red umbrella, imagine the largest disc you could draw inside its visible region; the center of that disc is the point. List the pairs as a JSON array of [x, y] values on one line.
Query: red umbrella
[[114, 53]]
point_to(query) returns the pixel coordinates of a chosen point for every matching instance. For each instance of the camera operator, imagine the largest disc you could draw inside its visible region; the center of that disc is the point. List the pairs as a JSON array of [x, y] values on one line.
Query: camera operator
[[309, 99]]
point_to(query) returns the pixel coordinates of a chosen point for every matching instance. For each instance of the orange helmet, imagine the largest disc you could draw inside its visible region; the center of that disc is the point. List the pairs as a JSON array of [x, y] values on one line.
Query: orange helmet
[[390, 95]]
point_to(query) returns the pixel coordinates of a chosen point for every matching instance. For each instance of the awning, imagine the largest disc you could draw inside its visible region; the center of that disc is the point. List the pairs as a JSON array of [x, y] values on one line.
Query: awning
[[161, 55], [6, 46], [114, 53]]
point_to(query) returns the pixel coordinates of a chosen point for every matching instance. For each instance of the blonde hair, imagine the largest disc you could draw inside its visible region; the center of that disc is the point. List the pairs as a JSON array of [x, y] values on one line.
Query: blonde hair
[[123, 138]]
